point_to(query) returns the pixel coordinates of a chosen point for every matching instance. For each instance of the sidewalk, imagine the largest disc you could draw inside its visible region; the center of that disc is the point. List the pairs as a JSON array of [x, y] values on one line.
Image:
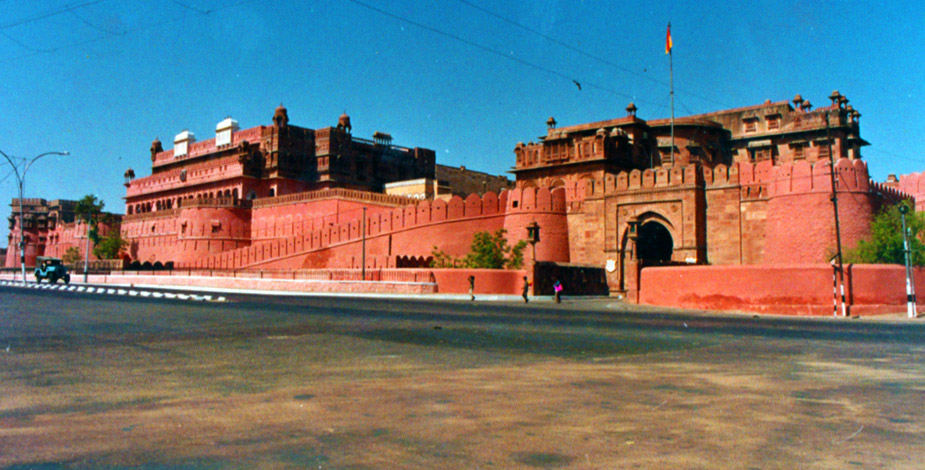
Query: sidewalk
[[279, 290]]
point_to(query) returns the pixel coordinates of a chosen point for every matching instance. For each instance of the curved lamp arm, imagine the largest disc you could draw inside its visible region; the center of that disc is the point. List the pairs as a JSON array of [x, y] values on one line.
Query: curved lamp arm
[[38, 157]]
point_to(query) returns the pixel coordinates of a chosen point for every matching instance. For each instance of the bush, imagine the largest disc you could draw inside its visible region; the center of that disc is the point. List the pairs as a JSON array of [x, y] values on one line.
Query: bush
[[111, 246], [885, 244], [488, 251], [72, 256]]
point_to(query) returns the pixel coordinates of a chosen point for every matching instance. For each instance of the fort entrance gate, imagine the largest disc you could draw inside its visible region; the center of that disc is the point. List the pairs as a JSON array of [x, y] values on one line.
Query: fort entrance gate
[[654, 243]]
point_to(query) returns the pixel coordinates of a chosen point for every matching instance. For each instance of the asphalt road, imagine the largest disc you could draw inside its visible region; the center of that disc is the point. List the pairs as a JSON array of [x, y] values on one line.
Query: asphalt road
[[97, 381]]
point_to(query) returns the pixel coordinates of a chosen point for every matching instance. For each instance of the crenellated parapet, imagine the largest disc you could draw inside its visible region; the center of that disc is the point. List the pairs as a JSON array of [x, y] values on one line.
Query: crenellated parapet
[[892, 195], [803, 177], [652, 179], [515, 208]]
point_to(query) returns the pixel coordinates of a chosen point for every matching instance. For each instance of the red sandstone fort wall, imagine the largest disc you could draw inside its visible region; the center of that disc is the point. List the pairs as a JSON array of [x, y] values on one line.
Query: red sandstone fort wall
[[411, 232], [871, 289], [914, 184], [801, 226], [53, 243]]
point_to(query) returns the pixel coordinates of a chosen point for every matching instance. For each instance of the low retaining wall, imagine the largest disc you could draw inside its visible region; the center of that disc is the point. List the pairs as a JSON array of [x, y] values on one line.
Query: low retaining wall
[[487, 281], [299, 285], [779, 289], [400, 281]]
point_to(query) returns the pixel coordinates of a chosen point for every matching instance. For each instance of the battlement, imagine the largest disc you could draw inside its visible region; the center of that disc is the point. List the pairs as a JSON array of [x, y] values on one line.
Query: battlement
[[803, 177], [352, 194], [650, 179], [420, 213], [890, 194]]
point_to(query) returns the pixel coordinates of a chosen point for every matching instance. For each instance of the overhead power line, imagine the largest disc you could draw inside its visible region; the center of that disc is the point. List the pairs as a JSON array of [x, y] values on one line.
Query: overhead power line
[[583, 52], [107, 34], [489, 50], [82, 20], [42, 16]]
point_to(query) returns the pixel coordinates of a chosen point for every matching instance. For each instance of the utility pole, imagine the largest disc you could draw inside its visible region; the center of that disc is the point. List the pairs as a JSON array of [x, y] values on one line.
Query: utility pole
[[910, 285], [841, 269], [364, 244], [21, 181]]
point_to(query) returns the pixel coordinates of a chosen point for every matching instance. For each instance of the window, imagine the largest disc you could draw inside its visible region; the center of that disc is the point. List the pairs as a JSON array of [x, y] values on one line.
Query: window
[[823, 149], [773, 122], [751, 124], [760, 154]]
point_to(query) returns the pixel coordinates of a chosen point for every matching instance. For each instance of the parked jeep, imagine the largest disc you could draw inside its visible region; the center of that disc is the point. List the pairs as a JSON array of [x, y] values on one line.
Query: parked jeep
[[51, 269]]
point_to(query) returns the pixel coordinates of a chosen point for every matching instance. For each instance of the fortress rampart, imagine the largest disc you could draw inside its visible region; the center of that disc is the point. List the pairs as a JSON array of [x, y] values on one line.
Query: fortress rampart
[[409, 233]]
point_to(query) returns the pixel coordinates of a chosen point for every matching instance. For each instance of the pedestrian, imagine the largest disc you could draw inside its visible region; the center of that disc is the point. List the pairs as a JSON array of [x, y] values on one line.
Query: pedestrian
[[557, 286], [472, 287], [526, 289]]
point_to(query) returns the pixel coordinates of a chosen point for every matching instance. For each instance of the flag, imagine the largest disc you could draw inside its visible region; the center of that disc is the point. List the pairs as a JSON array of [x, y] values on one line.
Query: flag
[[668, 43]]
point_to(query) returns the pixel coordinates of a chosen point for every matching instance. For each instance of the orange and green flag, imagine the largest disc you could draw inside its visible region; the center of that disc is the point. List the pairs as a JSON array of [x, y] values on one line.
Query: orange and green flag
[[668, 43]]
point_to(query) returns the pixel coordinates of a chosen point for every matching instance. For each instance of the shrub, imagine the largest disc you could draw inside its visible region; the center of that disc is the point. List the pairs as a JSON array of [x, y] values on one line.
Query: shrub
[[885, 244]]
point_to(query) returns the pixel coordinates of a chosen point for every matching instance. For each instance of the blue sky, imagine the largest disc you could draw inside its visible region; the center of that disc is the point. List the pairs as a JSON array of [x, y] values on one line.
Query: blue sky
[[102, 78]]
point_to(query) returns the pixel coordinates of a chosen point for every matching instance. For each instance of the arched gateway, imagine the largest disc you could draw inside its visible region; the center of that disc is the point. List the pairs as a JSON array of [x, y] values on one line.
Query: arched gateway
[[654, 243]]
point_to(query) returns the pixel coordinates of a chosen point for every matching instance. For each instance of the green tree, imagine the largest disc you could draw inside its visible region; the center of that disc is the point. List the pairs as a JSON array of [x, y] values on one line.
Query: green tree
[[90, 207], [885, 244], [72, 256], [491, 251], [110, 246], [488, 251]]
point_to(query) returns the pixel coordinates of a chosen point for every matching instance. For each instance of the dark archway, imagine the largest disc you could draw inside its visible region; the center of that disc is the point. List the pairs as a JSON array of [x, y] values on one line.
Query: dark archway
[[654, 243]]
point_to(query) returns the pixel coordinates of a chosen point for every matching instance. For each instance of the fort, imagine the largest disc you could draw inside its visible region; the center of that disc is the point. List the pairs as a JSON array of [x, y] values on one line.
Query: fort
[[750, 186]]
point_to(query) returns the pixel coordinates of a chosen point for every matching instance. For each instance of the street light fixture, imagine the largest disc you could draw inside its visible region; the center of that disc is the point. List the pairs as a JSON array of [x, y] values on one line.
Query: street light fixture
[[907, 255], [20, 180]]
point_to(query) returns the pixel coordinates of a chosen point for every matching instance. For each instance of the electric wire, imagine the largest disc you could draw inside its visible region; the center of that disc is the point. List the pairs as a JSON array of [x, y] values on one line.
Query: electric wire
[[35, 52], [585, 53], [489, 50], [48, 14], [82, 20]]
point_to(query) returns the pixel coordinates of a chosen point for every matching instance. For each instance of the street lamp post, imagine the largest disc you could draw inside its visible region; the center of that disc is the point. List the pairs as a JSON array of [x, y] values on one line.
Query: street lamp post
[[20, 180], [907, 254]]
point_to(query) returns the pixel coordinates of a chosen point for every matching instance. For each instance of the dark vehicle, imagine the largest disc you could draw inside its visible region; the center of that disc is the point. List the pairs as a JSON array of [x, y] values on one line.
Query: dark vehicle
[[51, 269]]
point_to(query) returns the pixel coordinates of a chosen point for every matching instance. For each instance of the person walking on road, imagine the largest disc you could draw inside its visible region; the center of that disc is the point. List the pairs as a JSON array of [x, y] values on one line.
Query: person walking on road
[[557, 287], [471, 287], [526, 289]]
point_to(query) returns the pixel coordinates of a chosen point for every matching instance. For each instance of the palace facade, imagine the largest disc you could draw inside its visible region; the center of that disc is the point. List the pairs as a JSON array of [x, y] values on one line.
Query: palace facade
[[750, 185]]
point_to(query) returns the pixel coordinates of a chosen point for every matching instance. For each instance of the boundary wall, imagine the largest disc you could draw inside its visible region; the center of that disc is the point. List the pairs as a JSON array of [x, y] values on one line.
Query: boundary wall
[[914, 184], [411, 231], [787, 289], [397, 281]]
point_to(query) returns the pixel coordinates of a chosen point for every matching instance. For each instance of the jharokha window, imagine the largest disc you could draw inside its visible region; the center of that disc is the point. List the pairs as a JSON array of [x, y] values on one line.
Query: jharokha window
[[773, 122], [751, 124], [822, 149], [760, 154]]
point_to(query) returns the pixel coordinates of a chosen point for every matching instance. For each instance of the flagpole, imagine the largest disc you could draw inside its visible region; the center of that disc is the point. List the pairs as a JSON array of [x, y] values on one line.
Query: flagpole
[[671, 82]]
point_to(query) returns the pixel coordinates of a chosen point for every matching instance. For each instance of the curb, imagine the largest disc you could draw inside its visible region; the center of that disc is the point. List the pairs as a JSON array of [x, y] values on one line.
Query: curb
[[114, 291]]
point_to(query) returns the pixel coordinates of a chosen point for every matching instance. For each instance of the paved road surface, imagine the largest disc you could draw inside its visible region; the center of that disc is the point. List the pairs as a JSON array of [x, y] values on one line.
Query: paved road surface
[[96, 381]]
